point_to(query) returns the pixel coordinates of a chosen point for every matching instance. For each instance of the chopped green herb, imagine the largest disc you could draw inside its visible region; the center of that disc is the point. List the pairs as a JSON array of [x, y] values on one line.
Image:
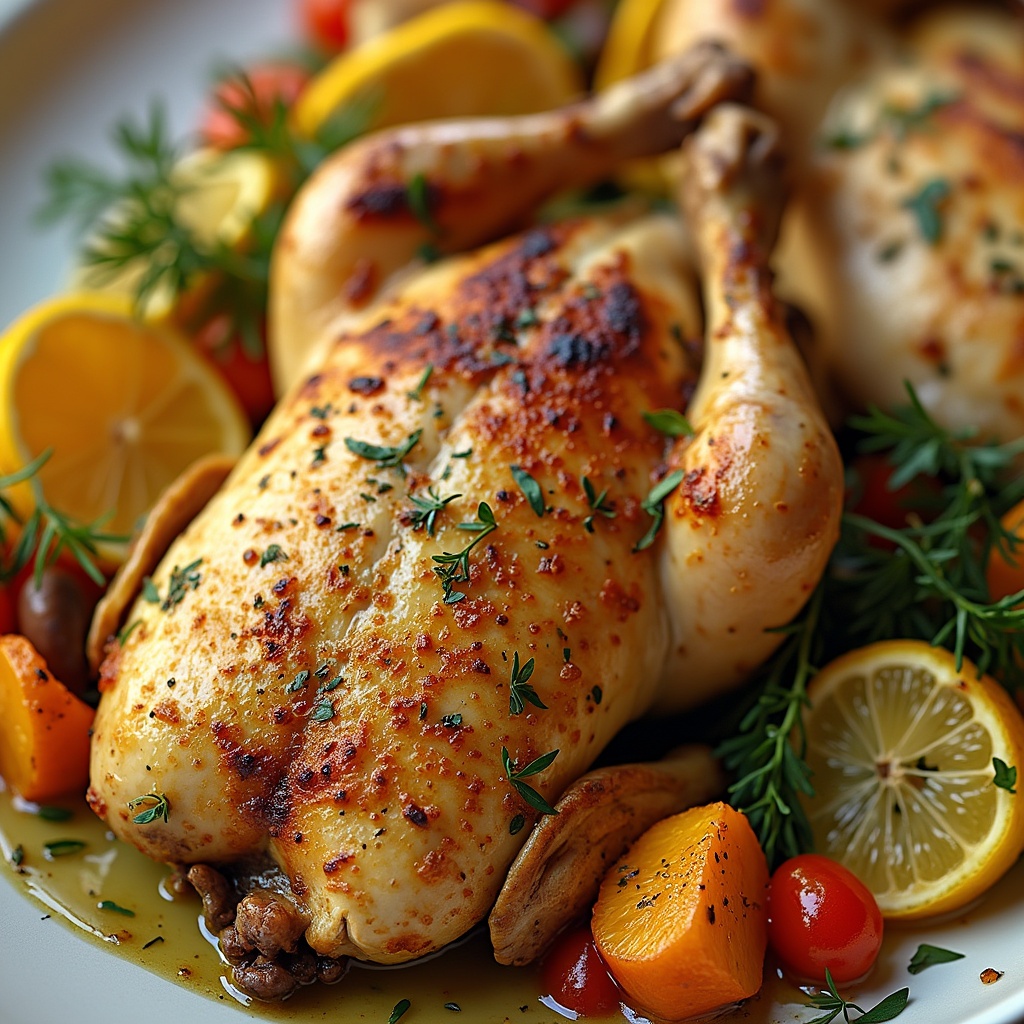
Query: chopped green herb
[[384, 456], [926, 207], [116, 908], [346, 526], [535, 767], [18, 855], [122, 637], [62, 848], [928, 956], [463, 454], [530, 488], [515, 826], [527, 317], [455, 1006], [834, 1004], [423, 710], [520, 692], [158, 808], [331, 685], [654, 505], [323, 671], [1006, 775], [419, 197], [180, 583], [319, 454], [451, 721], [320, 412], [669, 422], [416, 394], [597, 693], [298, 682], [453, 568], [427, 509], [566, 654], [274, 553], [399, 1011], [597, 504], [323, 711], [54, 813], [149, 591]]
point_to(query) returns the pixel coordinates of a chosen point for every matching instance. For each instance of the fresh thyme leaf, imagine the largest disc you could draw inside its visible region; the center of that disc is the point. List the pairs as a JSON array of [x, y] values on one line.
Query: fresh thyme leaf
[[149, 592], [158, 807], [428, 508], [515, 826], [654, 505], [420, 198], [274, 553], [526, 791], [385, 457], [181, 582], [520, 691], [926, 206], [401, 1007], [122, 636], [888, 1009], [530, 488], [669, 422], [48, 813], [298, 682], [597, 504], [451, 721], [1006, 775], [323, 710], [416, 394], [116, 908], [928, 956], [62, 848]]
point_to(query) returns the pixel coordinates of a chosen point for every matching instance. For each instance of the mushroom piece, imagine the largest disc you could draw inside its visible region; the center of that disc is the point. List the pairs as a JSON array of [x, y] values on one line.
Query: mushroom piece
[[556, 876]]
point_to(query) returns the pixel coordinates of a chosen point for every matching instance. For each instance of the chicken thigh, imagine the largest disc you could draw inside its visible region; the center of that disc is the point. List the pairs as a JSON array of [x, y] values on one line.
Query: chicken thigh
[[435, 587]]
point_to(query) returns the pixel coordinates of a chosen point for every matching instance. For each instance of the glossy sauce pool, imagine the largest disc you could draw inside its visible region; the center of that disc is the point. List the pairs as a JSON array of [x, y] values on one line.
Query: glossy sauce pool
[[165, 936]]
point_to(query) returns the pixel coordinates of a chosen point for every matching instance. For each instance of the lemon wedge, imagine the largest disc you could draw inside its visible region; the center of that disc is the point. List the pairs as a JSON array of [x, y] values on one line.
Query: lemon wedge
[[476, 57], [902, 749], [124, 406], [219, 196]]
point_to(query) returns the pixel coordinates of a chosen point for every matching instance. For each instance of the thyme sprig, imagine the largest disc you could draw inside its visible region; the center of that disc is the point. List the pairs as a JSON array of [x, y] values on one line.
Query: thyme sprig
[[597, 503], [47, 532], [427, 509], [520, 691], [515, 777], [156, 804], [453, 568], [834, 1004]]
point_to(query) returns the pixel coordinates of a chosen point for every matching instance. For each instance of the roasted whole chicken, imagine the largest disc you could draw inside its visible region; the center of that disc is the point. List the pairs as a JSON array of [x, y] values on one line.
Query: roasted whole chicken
[[904, 242], [459, 557]]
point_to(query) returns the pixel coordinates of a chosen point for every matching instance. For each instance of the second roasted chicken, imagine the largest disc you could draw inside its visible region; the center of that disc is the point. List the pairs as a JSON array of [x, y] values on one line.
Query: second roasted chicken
[[472, 542]]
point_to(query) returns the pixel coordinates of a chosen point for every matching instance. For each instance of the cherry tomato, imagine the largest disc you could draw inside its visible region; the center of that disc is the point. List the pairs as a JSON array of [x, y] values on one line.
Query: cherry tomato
[[267, 84], [547, 9], [8, 620], [1005, 573], [576, 977], [326, 23], [247, 375], [821, 915], [870, 494]]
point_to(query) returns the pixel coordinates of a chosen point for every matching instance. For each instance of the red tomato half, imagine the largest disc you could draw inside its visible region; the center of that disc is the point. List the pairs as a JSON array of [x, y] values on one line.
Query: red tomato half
[[325, 23], [246, 375], [821, 915], [268, 84], [574, 974]]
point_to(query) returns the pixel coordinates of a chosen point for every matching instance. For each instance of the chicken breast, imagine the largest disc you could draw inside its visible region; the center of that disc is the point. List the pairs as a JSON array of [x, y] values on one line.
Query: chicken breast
[[435, 587]]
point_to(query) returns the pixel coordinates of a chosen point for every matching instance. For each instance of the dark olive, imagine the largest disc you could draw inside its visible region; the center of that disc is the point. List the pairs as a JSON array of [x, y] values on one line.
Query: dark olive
[[55, 617]]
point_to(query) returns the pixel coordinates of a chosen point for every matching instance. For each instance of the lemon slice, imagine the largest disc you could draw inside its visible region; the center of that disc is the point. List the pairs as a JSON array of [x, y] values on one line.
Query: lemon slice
[[220, 196], [901, 746], [124, 405], [478, 57]]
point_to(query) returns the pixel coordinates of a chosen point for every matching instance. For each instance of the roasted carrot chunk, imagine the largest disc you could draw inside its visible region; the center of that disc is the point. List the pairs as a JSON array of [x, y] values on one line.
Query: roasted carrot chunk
[[44, 728], [680, 919]]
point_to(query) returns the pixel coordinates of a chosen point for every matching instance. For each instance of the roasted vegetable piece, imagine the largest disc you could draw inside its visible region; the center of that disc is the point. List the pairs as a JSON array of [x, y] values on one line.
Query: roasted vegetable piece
[[44, 728], [680, 920]]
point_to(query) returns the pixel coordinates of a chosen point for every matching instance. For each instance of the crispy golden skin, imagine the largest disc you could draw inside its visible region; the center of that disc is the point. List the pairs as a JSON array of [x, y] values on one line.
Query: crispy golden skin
[[307, 682]]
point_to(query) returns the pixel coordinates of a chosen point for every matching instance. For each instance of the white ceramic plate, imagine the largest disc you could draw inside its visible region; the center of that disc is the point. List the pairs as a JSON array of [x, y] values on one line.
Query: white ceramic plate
[[68, 69]]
